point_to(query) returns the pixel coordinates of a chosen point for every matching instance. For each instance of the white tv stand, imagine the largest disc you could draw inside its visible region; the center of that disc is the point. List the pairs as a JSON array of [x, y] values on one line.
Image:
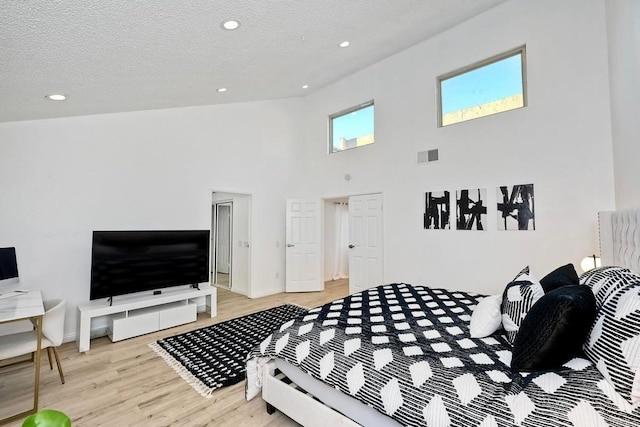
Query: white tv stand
[[142, 314]]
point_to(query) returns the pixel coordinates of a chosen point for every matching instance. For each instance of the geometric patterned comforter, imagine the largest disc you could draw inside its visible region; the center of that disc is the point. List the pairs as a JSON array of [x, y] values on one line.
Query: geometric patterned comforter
[[406, 351]]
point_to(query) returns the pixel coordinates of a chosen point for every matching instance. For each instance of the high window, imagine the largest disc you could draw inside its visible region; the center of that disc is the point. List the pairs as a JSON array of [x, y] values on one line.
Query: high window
[[488, 87], [351, 128]]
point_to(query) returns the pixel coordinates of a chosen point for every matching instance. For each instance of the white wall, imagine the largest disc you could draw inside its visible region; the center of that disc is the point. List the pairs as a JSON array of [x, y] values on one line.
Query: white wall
[[62, 178], [561, 142], [623, 19]]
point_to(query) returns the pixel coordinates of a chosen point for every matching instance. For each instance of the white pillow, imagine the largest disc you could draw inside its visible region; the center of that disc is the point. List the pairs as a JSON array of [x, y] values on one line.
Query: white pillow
[[486, 317]]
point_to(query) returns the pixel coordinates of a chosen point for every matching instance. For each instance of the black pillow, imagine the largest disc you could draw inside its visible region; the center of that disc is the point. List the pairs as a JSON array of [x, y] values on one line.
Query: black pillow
[[554, 329], [561, 276]]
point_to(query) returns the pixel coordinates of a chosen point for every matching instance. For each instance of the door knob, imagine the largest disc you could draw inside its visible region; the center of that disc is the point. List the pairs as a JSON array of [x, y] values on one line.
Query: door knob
[[351, 246], [289, 245]]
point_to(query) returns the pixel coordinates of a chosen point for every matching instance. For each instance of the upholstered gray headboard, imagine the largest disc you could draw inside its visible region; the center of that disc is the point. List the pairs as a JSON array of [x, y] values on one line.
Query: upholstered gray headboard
[[620, 238]]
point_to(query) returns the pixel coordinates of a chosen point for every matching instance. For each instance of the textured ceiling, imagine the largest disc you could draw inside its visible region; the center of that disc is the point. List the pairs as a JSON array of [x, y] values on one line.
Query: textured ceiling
[[126, 55]]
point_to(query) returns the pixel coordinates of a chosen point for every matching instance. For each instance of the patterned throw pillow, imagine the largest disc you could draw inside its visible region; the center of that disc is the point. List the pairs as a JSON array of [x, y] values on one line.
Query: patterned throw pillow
[[517, 298], [605, 281], [613, 343]]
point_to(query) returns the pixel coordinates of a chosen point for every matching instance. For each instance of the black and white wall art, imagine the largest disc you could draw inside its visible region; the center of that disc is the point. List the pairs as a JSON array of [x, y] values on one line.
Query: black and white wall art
[[437, 210], [471, 209], [516, 207]]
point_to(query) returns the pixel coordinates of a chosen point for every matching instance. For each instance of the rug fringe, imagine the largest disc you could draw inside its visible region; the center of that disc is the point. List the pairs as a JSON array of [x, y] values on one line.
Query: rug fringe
[[194, 382]]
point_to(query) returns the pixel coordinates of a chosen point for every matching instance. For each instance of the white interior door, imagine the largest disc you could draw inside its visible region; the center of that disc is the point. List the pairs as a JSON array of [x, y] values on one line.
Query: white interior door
[[303, 256], [365, 242]]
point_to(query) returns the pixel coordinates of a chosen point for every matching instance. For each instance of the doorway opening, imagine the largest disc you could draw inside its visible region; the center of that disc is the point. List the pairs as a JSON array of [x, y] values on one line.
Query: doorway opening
[[222, 246], [336, 241], [353, 243], [230, 241]]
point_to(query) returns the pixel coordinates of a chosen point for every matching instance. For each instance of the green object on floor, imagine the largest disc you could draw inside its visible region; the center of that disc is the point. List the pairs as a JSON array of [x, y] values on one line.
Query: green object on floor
[[47, 418]]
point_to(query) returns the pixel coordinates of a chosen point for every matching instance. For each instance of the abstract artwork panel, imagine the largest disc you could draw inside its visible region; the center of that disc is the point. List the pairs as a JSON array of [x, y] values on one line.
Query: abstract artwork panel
[[437, 210], [516, 207], [471, 209]]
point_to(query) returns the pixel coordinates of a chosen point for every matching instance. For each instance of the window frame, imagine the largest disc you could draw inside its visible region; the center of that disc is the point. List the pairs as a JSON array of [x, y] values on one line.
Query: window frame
[[350, 110], [520, 50]]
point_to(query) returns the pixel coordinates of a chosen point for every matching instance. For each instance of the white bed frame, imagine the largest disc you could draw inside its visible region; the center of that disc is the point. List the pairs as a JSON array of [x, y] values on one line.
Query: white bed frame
[[619, 245], [298, 405]]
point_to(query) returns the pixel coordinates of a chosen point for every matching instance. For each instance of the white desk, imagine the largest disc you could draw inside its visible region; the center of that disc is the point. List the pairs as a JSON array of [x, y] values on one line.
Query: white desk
[[22, 307]]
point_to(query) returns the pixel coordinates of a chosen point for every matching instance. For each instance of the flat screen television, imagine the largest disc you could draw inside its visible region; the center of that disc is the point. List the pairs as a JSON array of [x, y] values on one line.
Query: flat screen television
[[8, 267], [124, 262]]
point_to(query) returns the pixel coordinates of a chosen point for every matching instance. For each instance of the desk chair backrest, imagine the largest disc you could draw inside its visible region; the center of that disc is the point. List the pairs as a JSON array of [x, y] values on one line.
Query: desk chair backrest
[[53, 321]]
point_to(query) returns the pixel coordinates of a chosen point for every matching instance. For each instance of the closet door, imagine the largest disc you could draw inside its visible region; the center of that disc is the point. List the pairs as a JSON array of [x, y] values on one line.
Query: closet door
[[365, 242], [303, 246]]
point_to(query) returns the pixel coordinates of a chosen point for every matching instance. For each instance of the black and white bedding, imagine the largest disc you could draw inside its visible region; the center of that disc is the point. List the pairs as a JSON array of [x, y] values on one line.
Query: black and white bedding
[[406, 351]]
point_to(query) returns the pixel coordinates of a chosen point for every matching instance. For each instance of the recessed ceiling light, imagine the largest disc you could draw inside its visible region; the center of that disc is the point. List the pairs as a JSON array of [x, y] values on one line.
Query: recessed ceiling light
[[305, 87], [344, 44], [56, 97], [230, 24], [222, 89]]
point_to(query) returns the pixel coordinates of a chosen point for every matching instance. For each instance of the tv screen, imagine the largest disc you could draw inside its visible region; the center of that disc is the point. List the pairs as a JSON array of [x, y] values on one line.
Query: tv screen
[[8, 266], [124, 262]]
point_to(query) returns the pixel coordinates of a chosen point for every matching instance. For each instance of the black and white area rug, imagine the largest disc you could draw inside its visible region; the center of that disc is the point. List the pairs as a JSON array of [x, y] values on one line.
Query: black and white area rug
[[214, 356]]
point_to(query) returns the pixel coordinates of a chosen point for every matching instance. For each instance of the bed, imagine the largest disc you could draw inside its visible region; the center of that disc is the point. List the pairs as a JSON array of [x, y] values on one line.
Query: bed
[[401, 354]]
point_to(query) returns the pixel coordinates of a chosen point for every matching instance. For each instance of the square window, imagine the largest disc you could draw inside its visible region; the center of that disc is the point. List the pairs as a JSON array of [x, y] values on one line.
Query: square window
[[351, 128], [488, 87]]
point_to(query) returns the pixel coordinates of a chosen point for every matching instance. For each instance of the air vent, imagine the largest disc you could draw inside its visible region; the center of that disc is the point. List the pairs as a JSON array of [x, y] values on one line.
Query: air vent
[[427, 156], [422, 157]]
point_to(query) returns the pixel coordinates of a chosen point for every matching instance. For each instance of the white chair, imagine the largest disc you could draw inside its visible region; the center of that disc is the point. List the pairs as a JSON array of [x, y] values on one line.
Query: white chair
[[22, 343]]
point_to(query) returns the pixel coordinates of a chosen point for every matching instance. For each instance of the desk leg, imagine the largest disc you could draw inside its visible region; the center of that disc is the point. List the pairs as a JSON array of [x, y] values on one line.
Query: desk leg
[[84, 332], [36, 390]]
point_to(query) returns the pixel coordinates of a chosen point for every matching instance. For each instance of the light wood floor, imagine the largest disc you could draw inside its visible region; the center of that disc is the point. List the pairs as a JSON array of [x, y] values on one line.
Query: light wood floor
[[127, 384]]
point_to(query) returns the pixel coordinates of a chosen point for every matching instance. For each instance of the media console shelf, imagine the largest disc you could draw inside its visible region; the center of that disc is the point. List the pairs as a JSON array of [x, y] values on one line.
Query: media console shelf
[[132, 316]]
